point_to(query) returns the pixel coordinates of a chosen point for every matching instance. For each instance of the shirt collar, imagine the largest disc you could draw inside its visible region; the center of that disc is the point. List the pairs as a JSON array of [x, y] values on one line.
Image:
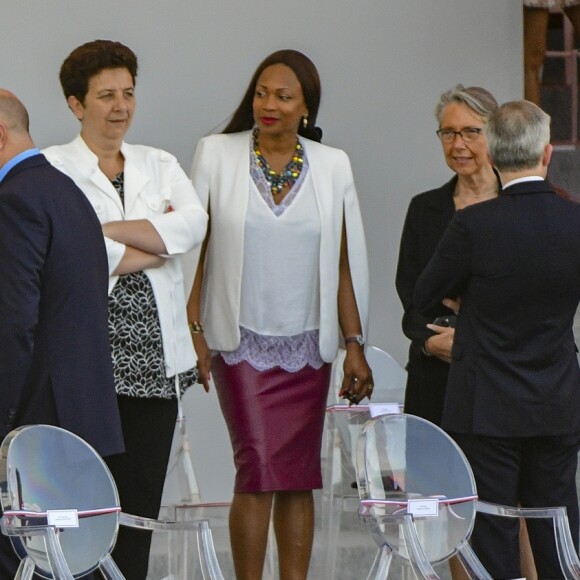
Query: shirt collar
[[523, 180], [16, 160]]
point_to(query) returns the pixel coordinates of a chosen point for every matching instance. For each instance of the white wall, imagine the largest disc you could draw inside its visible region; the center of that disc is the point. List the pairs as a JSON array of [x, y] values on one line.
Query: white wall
[[383, 65]]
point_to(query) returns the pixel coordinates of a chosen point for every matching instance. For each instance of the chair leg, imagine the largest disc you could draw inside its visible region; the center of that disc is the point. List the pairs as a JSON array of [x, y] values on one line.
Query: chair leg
[[569, 561], [55, 555], [270, 563], [417, 558], [331, 499], [473, 567], [381, 564], [25, 570], [210, 568], [109, 569]]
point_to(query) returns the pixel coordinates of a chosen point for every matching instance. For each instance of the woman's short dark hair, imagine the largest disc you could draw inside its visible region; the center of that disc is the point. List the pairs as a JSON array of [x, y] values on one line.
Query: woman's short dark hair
[[307, 75], [89, 60]]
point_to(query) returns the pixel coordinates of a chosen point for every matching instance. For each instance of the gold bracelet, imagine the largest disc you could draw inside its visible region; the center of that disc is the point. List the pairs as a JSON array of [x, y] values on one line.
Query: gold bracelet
[[195, 327]]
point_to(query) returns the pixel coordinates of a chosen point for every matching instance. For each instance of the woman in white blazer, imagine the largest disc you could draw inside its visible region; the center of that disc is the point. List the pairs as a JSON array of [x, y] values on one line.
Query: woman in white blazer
[[283, 271], [151, 216]]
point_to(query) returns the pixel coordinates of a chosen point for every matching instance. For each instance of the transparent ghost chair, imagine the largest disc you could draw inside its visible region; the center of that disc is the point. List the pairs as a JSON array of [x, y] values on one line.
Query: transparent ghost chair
[[418, 496], [389, 376], [61, 508], [419, 499], [340, 500]]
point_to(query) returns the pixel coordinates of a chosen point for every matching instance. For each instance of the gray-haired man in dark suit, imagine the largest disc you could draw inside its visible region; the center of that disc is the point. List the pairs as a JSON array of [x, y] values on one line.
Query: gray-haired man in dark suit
[[513, 396]]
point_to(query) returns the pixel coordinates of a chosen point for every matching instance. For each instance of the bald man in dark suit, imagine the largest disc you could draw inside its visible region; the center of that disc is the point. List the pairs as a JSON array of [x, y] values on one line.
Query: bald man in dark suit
[[55, 359]]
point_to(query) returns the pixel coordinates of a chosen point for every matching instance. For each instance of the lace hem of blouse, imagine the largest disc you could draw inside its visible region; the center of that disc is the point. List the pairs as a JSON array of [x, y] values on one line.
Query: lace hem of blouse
[[291, 353]]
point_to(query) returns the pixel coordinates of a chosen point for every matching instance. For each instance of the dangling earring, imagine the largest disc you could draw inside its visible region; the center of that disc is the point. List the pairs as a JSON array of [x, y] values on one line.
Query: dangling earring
[[305, 121]]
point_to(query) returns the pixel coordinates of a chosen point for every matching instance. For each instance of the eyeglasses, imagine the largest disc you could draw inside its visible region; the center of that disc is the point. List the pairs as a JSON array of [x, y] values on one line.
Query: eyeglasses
[[468, 134]]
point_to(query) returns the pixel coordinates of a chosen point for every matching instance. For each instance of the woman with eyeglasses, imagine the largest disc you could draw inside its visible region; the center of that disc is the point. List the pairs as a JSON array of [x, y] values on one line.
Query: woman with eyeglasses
[[462, 114]]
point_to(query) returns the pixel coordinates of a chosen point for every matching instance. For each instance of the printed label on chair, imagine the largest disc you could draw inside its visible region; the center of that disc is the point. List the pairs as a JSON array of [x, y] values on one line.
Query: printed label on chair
[[376, 409], [423, 508], [63, 518]]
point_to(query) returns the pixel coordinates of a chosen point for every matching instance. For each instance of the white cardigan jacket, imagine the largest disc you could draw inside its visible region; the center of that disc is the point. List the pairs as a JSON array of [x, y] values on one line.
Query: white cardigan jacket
[[221, 176], [156, 189]]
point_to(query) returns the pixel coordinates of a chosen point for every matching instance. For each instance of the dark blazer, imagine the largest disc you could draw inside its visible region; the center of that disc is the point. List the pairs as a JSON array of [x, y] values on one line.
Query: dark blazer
[[55, 359], [515, 262], [427, 218]]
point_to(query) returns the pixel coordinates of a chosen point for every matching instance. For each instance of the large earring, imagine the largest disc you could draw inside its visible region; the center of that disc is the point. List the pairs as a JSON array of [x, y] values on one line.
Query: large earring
[[305, 121]]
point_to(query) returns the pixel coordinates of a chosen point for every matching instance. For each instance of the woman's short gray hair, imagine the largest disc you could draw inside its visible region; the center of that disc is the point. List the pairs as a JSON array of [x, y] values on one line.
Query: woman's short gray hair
[[517, 134], [478, 99]]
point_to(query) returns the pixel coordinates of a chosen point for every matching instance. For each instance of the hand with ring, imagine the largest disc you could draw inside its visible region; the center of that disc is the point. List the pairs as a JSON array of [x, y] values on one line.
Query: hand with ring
[[352, 398], [358, 377]]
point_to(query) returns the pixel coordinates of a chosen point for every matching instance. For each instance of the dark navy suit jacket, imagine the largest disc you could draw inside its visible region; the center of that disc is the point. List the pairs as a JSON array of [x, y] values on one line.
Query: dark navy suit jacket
[[55, 359], [515, 263]]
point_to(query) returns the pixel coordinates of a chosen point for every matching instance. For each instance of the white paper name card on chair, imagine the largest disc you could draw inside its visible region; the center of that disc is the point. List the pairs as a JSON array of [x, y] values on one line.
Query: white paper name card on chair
[[63, 518], [423, 507], [376, 409]]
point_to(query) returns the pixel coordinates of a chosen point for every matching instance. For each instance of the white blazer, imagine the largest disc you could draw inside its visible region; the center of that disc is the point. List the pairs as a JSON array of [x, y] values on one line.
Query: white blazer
[[156, 189], [221, 175]]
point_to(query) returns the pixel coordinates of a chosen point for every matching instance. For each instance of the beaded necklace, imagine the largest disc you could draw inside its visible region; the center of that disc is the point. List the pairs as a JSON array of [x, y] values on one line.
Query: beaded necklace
[[288, 175]]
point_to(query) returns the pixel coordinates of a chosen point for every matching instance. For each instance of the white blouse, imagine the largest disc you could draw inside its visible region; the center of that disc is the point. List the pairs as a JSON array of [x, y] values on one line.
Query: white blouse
[[280, 276]]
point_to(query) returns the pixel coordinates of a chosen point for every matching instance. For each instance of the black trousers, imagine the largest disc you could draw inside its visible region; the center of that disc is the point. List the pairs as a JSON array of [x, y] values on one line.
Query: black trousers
[[533, 472], [148, 426]]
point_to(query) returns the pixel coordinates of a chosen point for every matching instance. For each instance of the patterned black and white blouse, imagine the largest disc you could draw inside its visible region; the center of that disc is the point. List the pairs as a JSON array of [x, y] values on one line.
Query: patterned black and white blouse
[[135, 335]]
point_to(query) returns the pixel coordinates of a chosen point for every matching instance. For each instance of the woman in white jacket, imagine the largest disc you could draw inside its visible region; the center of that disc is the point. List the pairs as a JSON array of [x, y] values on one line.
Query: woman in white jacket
[[151, 215], [283, 271]]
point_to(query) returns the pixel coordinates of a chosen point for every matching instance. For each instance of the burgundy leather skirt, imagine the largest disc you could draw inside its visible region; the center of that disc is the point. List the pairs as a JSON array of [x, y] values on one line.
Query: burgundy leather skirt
[[275, 420]]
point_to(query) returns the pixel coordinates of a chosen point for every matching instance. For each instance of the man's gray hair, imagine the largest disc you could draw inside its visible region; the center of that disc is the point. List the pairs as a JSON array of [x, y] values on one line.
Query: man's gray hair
[[478, 99], [517, 135]]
